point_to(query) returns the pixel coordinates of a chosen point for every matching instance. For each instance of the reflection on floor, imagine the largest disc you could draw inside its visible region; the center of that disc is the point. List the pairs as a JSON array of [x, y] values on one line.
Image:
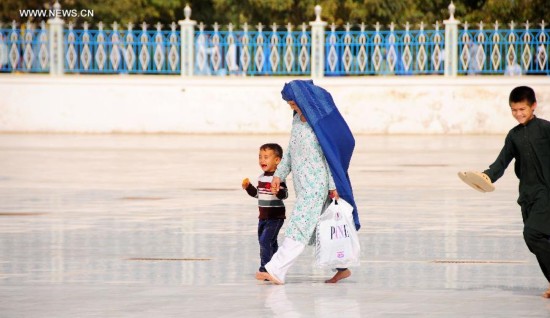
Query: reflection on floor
[[158, 226]]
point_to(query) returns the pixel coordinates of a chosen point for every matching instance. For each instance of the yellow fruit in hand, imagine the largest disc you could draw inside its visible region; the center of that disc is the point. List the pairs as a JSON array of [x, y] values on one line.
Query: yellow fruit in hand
[[246, 182]]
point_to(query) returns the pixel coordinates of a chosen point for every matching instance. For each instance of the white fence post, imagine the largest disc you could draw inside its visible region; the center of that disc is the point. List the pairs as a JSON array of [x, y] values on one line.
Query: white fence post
[[317, 45], [451, 43], [187, 34], [56, 42]]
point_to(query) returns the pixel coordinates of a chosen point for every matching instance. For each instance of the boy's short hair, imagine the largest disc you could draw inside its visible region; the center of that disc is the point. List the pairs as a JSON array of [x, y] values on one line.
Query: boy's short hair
[[522, 94], [278, 150]]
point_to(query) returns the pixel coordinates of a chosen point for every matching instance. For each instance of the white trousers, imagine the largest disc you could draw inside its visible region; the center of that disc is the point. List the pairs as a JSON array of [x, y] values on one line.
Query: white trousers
[[283, 259]]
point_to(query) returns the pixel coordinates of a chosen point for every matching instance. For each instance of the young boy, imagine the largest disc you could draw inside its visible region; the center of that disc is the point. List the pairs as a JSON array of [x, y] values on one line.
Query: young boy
[[529, 144], [271, 206]]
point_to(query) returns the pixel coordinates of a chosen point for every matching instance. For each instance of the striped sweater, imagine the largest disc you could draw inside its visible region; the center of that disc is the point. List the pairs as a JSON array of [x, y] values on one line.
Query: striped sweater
[[271, 206]]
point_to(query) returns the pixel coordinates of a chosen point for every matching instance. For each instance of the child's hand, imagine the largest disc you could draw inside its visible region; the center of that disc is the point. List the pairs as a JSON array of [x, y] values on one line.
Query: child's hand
[[246, 183], [275, 185]]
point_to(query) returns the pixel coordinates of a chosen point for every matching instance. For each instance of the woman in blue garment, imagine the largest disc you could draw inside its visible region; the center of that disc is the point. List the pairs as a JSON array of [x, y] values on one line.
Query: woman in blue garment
[[319, 152]]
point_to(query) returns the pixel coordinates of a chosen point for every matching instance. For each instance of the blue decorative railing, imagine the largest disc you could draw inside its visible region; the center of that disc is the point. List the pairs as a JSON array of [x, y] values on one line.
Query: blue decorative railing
[[252, 52], [122, 51], [503, 51], [276, 51], [384, 52], [24, 50]]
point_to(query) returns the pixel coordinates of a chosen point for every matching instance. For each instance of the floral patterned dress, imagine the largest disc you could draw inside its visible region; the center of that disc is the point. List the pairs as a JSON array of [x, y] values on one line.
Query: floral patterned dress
[[312, 180]]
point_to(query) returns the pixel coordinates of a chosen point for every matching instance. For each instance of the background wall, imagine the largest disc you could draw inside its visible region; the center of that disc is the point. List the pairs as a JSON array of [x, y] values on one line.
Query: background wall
[[155, 104]]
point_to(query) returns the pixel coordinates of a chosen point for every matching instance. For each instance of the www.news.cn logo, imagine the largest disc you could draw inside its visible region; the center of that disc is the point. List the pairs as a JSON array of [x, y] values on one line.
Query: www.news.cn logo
[[65, 13]]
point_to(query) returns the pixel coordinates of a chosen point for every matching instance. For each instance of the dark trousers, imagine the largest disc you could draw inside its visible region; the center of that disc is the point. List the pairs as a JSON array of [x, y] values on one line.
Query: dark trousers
[[539, 244], [267, 237]]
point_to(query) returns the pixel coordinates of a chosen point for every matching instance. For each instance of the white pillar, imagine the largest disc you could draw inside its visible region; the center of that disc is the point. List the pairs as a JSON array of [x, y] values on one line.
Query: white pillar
[[56, 42], [187, 34], [451, 43], [317, 45]]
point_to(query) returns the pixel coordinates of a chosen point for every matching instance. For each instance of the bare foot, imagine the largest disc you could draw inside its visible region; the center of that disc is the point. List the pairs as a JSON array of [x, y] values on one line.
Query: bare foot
[[267, 276], [546, 294], [338, 276]]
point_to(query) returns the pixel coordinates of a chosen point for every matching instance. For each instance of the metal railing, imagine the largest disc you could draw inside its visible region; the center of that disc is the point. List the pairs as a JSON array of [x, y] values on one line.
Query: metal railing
[[122, 51], [24, 50], [504, 51], [275, 51], [252, 52], [402, 52]]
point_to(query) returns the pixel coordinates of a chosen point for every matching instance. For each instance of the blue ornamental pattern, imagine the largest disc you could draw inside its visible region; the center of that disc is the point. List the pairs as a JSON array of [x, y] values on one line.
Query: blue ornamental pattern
[[349, 50]]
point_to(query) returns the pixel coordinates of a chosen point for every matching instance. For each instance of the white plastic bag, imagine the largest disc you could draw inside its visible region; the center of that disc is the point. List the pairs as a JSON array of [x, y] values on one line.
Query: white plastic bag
[[337, 244]]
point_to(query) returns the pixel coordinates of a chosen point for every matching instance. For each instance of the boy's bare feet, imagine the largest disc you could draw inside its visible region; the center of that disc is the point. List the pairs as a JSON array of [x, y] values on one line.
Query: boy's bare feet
[[338, 276], [267, 276], [546, 294]]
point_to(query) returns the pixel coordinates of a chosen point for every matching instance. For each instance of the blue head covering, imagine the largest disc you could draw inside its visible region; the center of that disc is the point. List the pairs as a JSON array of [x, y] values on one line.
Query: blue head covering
[[331, 131]]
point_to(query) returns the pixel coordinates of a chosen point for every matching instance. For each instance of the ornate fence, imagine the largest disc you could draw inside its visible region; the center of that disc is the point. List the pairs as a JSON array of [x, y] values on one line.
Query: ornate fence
[[261, 52], [122, 51], [509, 51], [275, 50], [384, 52], [24, 49]]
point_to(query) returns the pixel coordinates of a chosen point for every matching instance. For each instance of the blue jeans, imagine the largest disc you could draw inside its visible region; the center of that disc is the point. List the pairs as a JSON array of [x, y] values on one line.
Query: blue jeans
[[267, 237]]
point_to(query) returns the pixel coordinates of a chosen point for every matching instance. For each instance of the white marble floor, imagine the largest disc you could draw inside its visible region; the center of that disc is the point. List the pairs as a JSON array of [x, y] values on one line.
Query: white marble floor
[[158, 226]]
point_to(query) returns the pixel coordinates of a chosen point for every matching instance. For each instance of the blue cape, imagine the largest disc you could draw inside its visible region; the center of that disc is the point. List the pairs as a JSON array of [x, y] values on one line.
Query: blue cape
[[331, 130]]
